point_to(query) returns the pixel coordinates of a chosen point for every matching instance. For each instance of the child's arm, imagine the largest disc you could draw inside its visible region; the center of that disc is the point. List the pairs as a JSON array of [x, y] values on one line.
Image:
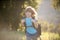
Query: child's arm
[[35, 23], [22, 22]]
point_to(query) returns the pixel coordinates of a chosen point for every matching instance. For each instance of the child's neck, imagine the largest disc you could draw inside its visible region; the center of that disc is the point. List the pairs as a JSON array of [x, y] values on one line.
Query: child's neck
[[28, 17]]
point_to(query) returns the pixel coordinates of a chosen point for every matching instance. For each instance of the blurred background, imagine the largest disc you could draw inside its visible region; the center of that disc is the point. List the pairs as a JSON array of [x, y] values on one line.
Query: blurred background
[[11, 13]]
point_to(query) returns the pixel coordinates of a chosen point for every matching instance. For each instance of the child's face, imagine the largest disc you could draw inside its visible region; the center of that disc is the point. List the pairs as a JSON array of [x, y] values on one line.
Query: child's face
[[28, 14]]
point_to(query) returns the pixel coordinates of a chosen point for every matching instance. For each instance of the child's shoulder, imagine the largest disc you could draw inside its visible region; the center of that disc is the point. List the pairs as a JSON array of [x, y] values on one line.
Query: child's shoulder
[[34, 20]]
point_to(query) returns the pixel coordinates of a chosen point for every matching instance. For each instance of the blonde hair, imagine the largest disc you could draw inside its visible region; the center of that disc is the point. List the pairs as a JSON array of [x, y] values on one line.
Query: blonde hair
[[32, 10]]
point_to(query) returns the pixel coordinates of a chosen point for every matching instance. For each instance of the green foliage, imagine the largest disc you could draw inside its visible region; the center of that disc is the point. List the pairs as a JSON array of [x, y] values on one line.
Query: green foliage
[[32, 3], [49, 27], [50, 36], [56, 4]]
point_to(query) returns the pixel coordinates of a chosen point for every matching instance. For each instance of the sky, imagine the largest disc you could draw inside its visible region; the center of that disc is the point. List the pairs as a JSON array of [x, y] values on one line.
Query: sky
[[48, 13]]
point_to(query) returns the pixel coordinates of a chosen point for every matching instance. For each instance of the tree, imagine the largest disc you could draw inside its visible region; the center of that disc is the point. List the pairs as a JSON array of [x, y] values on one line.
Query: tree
[[56, 4], [11, 11]]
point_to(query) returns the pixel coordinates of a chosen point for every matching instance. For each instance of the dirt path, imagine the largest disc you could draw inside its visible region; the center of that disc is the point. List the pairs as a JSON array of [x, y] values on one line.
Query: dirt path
[[11, 35]]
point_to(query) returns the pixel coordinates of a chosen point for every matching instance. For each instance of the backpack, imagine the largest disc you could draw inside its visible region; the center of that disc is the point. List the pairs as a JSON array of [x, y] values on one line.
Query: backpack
[[38, 30]]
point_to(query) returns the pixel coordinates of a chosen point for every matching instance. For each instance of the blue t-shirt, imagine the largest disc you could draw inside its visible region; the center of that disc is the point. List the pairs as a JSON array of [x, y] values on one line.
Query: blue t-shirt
[[28, 21], [30, 29]]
